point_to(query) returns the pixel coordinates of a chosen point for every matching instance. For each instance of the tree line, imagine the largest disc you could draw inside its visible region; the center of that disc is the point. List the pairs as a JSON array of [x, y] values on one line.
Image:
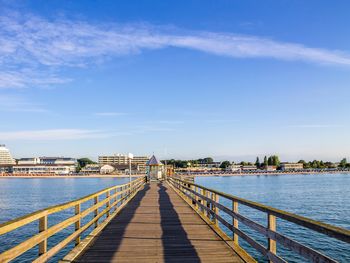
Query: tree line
[[272, 160]]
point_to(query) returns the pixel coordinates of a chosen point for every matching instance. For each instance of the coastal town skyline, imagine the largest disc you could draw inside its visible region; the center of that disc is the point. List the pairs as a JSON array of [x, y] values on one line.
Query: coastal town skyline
[[207, 80]]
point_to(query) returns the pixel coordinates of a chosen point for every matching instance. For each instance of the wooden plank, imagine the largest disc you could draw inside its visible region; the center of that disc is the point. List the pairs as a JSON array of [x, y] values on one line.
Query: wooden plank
[[157, 225]]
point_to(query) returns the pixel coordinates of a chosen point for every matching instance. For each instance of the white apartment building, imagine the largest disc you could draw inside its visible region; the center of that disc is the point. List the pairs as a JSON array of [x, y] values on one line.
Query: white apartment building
[[45, 165], [121, 159], [140, 161], [6, 160], [5, 156]]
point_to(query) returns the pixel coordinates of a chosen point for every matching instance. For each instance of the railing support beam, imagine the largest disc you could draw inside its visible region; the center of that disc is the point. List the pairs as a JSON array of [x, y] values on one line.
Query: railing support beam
[[235, 222], [271, 224], [78, 223], [42, 228]]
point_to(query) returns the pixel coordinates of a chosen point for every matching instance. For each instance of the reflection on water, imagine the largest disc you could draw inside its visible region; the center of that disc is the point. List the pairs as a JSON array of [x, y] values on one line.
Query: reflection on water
[[323, 197]]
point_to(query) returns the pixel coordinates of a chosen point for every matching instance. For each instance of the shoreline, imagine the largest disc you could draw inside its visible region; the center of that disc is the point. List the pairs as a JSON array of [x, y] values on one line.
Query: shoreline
[[272, 173], [72, 176]]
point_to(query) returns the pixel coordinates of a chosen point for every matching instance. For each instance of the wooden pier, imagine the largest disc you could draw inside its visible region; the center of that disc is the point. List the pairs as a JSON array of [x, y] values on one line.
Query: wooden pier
[[170, 221], [157, 226]]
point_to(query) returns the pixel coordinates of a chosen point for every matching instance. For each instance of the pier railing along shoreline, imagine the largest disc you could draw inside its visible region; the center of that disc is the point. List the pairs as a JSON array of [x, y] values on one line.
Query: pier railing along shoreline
[[113, 198], [206, 202]]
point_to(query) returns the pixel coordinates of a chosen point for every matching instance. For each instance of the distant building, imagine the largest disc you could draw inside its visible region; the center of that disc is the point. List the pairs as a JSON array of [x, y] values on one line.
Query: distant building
[[249, 167], [234, 168], [6, 160], [124, 159], [107, 169], [208, 165], [270, 168], [91, 169], [45, 165], [119, 169], [291, 166]]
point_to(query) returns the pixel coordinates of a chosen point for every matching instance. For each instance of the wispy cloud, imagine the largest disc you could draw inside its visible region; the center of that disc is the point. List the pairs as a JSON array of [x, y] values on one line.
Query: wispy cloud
[[315, 126], [30, 44], [109, 114], [18, 104], [54, 134]]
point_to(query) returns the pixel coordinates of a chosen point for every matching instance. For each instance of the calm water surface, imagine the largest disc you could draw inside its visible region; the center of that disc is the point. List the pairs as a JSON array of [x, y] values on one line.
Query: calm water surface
[[20, 196], [323, 197]]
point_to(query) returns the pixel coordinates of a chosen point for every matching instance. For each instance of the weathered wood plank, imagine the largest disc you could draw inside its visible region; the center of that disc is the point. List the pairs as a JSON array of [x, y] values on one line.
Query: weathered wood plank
[[158, 226]]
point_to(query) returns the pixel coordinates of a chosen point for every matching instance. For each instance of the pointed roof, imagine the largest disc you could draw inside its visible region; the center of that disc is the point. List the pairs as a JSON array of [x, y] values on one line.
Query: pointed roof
[[154, 161]]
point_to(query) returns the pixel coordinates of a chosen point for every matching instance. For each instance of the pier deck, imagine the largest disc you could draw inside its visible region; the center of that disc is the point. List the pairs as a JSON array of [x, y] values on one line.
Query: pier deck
[[158, 226]]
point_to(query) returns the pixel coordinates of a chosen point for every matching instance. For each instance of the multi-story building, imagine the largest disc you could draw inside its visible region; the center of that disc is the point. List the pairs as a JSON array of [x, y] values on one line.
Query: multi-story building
[[45, 165], [140, 161], [6, 160], [292, 166], [91, 169]]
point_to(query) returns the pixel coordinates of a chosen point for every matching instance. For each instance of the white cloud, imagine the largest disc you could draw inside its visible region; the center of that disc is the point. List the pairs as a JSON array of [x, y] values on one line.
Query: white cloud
[[36, 44], [19, 104], [109, 114], [315, 126], [55, 134]]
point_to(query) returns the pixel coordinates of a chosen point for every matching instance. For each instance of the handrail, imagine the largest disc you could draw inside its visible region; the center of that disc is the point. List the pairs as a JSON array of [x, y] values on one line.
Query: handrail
[[207, 201], [118, 195]]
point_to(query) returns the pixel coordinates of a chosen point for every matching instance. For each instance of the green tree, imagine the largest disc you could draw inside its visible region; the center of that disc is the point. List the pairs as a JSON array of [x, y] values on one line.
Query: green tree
[[343, 163], [270, 161], [208, 160], [225, 164], [276, 160], [82, 162], [257, 162], [265, 161]]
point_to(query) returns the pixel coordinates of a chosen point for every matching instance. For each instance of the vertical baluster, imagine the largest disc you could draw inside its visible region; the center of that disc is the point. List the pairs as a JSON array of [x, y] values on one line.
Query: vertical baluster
[[235, 222], [114, 199], [195, 188], [193, 196], [271, 224], [201, 200], [215, 198], [96, 210], [78, 223], [205, 202], [43, 227], [108, 204]]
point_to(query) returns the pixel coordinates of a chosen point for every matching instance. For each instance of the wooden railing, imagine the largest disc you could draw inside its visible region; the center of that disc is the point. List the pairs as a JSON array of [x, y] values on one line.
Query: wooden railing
[[111, 199], [206, 202]]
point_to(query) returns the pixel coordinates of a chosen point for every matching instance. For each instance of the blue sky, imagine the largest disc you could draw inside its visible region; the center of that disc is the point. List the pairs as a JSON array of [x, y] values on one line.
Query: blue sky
[[181, 79]]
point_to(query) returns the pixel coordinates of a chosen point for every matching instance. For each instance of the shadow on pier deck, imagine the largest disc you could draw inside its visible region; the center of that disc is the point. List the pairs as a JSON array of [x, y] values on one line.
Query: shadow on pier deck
[[158, 226]]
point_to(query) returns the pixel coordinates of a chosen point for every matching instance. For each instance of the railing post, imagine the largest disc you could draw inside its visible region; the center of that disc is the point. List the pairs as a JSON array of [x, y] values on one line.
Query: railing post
[[215, 198], [43, 227], [235, 222], [271, 224], [78, 223], [195, 188], [208, 204], [205, 203], [96, 210], [108, 204], [201, 200]]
